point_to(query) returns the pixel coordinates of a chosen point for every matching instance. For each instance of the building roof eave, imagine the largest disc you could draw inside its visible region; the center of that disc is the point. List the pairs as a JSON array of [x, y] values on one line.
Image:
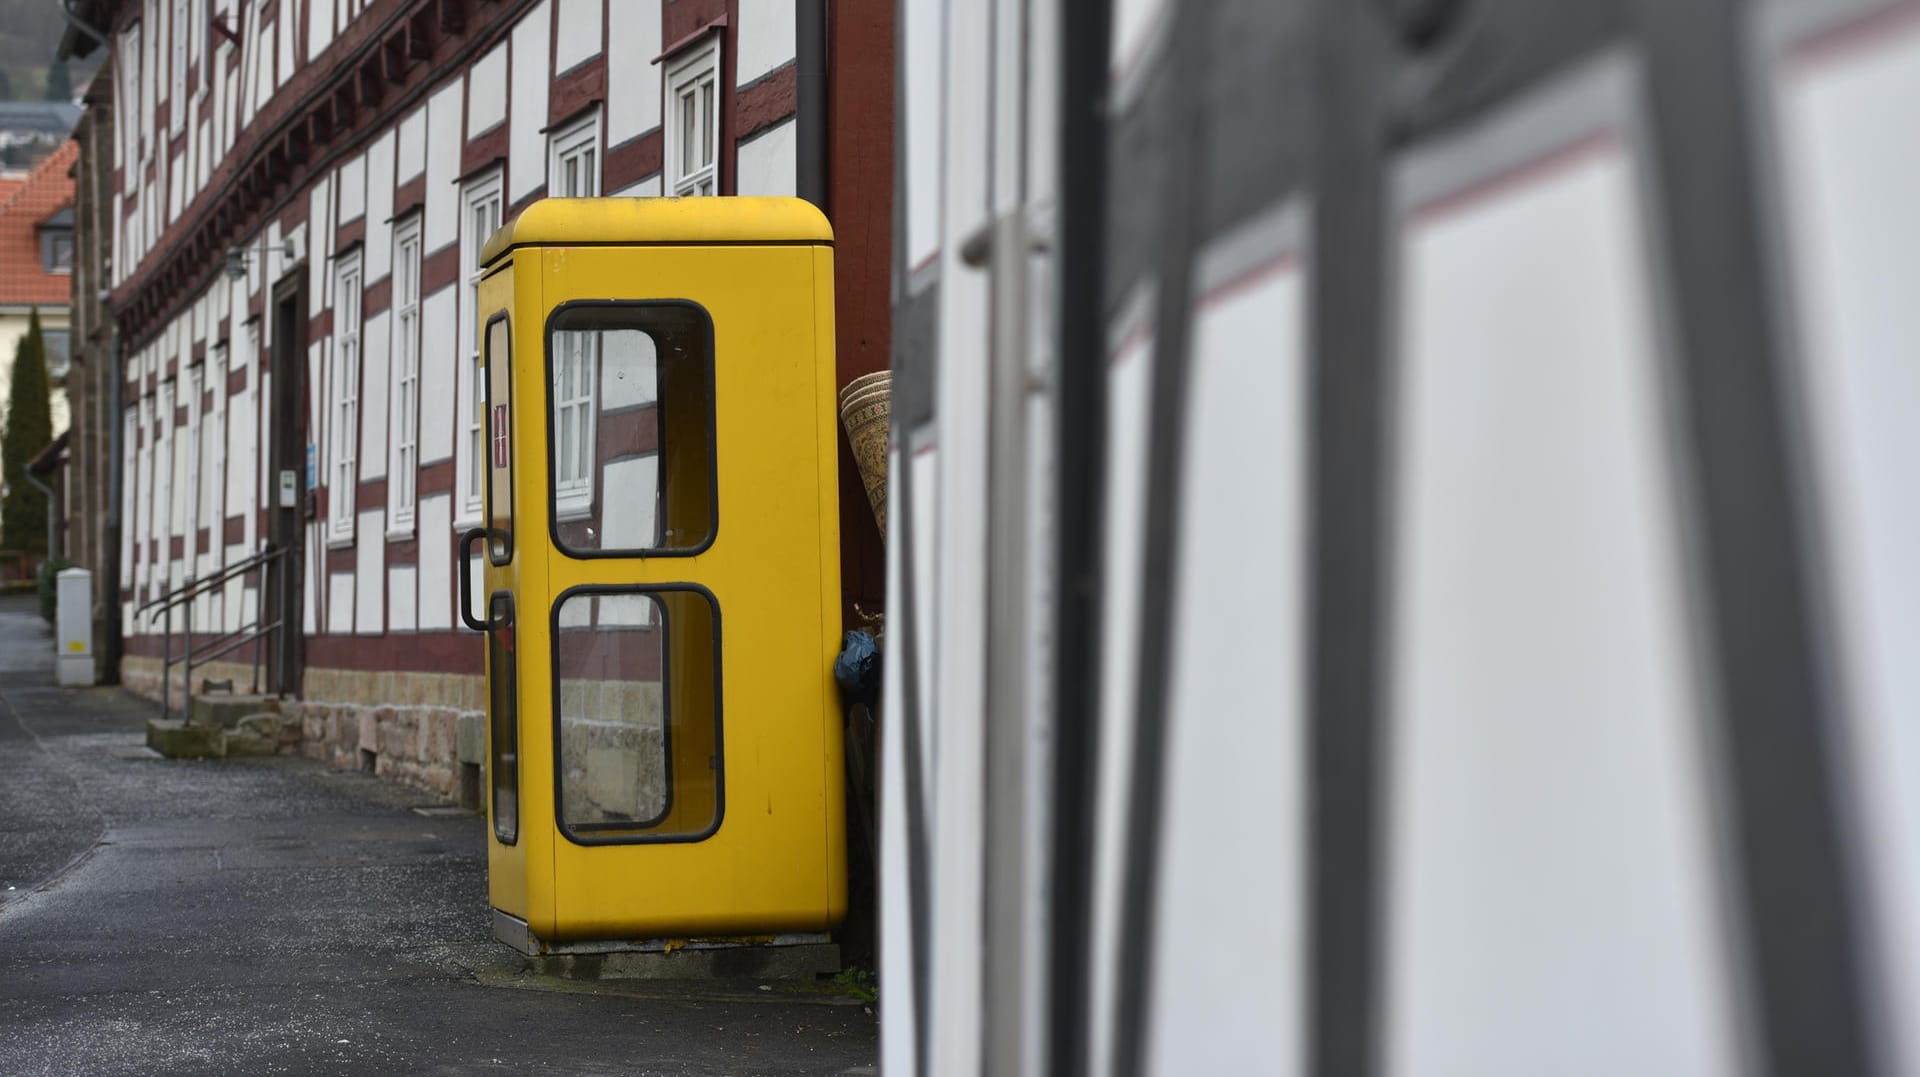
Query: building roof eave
[[49, 458]]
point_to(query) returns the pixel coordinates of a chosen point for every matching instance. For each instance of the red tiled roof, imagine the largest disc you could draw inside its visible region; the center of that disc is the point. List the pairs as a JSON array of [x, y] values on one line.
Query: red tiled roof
[[23, 205]]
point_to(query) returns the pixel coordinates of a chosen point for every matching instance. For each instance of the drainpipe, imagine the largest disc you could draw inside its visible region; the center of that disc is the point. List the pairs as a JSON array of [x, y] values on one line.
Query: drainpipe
[[110, 556], [52, 522], [810, 82], [1079, 475], [80, 24]]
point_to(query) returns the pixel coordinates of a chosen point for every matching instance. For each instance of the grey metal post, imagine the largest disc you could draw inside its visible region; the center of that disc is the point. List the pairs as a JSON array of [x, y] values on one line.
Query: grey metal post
[[186, 661], [285, 557], [810, 104], [110, 561], [166, 661], [259, 622]]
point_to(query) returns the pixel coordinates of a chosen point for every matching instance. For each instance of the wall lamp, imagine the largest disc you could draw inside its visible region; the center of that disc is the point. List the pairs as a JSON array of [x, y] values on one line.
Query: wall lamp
[[237, 257]]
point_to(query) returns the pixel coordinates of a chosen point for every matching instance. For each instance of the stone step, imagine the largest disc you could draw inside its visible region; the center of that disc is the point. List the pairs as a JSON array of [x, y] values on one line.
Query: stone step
[[179, 739], [802, 962], [235, 743], [276, 732], [226, 711], [263, 733]]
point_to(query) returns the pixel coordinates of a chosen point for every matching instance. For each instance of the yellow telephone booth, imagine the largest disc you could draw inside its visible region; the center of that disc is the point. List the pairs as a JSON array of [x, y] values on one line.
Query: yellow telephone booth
[[661, 567]]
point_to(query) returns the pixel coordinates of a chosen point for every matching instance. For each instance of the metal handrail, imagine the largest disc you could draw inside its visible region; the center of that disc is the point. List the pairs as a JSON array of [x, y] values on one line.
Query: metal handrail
[[225, 643], [212, 652], [174, 597]]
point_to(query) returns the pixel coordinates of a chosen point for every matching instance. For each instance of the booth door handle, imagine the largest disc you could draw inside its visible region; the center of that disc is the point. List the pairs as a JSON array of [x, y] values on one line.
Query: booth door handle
[[467, 540]]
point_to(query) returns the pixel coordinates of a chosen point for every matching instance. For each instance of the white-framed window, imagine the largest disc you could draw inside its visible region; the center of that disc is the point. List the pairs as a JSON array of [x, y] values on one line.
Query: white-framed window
[[130, 491], [693, 121], [403, 464], [573, 172], [180, 30], [203, 42], [127, 145], [481, 209], [179, 492], [192, 450], [575, 368], [140, 531], [214, 484], [573, 159], [160, 525], [343, 471]]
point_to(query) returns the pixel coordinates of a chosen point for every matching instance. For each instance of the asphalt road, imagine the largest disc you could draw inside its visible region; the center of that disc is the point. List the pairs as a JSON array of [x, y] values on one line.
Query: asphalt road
[[276, 916]]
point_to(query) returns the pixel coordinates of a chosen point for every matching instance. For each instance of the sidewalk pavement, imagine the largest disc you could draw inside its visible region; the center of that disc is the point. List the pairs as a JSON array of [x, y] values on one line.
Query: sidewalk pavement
[[255, 916]]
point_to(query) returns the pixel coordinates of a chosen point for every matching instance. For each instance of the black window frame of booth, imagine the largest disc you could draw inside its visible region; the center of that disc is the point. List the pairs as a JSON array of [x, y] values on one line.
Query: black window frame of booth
[[625, 834], [572, 307], [503, 714], [499, 555]]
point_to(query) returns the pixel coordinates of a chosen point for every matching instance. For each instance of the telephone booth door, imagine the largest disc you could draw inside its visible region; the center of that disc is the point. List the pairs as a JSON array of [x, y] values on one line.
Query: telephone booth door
[[661, 570]]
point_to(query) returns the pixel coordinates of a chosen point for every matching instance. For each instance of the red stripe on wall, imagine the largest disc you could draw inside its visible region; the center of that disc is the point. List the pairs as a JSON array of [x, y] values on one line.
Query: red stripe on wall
[[439, 269], [376, 297], [635, 160], [576, 90], [458, 651], [410, 196], [770, 99], [436, 478]]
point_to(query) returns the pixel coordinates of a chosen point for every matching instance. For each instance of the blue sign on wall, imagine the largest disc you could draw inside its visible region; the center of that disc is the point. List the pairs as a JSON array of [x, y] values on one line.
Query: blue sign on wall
[[313, 466]]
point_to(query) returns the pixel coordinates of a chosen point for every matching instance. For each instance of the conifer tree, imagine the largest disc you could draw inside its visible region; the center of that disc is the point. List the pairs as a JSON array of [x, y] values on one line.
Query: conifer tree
[[23, 512]]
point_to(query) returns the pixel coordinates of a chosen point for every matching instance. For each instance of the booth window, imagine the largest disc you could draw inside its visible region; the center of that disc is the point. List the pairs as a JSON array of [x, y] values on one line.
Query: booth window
[[630, 428], [637, 714]]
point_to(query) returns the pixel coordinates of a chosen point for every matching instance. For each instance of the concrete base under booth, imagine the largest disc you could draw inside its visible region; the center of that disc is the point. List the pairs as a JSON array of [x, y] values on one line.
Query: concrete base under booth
[[765, 957]]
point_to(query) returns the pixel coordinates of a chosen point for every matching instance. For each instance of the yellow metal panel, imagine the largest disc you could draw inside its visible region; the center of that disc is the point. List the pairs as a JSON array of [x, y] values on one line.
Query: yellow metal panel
[[827, 445]]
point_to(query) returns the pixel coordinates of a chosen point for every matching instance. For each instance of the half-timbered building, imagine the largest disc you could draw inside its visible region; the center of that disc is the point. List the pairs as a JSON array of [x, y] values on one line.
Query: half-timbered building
[[290, 225]]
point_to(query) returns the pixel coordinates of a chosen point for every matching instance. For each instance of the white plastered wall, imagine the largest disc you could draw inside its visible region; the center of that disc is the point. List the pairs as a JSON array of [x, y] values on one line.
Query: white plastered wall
[[532, 75]]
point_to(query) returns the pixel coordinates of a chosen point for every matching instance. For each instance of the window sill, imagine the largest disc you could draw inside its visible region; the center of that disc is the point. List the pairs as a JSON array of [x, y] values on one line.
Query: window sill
[[565, 513], [401, 535], [340, 542]]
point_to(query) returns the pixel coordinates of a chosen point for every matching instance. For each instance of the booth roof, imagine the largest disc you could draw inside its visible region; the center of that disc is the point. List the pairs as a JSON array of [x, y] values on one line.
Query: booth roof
[[576, 222]]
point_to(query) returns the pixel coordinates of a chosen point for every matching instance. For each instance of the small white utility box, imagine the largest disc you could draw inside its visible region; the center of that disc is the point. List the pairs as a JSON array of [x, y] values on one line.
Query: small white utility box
[[73, 621]]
